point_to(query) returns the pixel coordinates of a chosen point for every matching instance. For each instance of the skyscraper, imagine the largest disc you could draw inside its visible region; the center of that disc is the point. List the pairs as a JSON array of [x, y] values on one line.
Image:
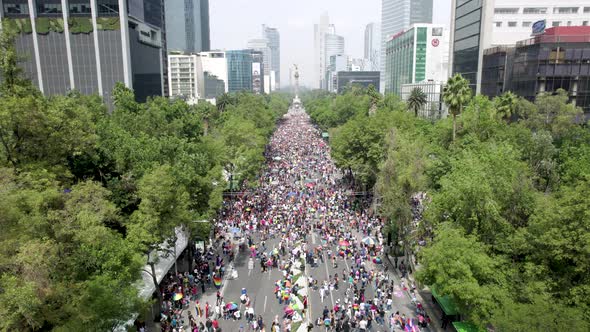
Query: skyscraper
[[334, 46], [274, 43], [471, 34], [320, 31], [187, 25], [103, 42], [397, 15], [373, 45], [262, 45], [239, 70]]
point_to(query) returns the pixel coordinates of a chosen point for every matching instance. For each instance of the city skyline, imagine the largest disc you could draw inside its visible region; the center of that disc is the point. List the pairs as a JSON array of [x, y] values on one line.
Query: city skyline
[[296, 26]]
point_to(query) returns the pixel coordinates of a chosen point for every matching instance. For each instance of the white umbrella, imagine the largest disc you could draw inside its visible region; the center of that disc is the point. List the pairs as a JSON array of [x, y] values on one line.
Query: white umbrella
[[369, 241]]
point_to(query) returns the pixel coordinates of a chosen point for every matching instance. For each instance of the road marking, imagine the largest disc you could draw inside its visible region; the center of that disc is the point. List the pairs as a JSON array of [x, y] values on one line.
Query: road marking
[[327, 277], [264, 307], [346, 263]]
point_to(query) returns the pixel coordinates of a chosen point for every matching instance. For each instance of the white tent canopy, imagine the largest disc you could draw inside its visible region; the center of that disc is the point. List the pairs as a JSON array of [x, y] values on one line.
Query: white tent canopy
[[164, 261]]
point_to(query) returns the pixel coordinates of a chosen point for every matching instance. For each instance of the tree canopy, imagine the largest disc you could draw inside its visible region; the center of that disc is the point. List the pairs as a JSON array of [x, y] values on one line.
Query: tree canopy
[[505, 232], [87, 192]]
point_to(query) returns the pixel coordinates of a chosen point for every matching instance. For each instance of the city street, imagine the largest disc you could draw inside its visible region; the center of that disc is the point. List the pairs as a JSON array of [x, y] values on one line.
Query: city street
[[301, 213]]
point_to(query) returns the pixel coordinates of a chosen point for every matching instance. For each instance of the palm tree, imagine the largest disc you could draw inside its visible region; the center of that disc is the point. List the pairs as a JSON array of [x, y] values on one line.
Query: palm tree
[[417, 100], [456, 93], [506, 104]]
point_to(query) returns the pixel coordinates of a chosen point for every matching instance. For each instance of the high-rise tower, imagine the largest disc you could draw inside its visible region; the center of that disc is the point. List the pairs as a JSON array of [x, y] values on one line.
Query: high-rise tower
[[274, 44], [187, 25], [397, 15]]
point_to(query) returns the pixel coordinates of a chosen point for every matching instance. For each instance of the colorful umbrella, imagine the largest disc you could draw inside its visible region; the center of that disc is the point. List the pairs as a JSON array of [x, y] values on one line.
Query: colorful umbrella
[[217, 282], [231, 306], [377, 260], [344, 243], [369, 241], [177, 296], [289, 310]]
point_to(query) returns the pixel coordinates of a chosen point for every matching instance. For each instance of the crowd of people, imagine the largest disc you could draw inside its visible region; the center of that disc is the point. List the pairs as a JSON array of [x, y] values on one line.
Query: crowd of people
[[300, 194]]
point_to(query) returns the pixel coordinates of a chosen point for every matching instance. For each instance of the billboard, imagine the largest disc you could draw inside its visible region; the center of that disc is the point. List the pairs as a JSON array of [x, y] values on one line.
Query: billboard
[[256, 78], [539, 27]]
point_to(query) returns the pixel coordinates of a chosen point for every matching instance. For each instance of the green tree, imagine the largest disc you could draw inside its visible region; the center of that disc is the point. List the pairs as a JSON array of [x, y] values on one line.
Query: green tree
[[416, 100], [402, 174], [459, 266], [456, 94], [506, 105], [542, 314], [553, 113]]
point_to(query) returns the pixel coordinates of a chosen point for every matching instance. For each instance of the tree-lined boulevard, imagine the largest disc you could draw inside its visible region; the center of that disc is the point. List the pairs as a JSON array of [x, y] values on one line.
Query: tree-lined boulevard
[[307, 211]]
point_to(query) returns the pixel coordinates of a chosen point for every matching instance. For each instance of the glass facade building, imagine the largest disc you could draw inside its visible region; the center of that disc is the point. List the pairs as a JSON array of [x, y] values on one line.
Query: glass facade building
[[187, 23], [90, 45], [397, 15], [239, 70], [558, 59], [274, 44], [415, 55], [399, 62], [470, 35]]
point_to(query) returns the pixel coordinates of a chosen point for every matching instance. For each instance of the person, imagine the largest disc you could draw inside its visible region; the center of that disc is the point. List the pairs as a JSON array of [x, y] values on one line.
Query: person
[[363, 325], [322, 293], [198, 309]]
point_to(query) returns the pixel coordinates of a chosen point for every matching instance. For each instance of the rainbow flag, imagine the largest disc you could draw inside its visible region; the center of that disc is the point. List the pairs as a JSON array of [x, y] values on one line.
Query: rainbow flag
[[217, 282]]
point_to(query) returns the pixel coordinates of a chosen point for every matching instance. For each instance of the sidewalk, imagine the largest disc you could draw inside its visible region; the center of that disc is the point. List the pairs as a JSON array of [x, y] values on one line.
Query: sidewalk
[[422, 295]]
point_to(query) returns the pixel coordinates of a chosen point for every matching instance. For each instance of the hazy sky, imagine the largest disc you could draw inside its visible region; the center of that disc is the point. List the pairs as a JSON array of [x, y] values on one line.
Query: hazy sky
[[233, 22]]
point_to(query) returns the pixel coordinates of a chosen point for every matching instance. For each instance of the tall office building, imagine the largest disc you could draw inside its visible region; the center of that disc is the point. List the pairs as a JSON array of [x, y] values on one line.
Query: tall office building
[[513, 19], [397, 15], [338, 62], [416, 55], [274, 43], [257, 72], [239, 70], [320, 30], [373, 45], [185, 77], [187, 25], [471, 34], [262, 45], [334, 45], [89, 45]]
